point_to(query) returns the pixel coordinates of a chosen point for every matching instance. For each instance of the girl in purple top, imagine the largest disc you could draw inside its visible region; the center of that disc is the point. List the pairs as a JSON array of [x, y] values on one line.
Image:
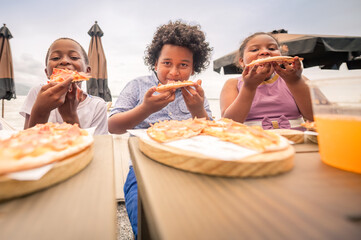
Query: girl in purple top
[[272, 95]]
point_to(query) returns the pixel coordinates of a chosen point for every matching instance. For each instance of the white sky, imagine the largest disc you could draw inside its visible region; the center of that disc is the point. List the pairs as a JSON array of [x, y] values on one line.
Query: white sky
[[129, 25]]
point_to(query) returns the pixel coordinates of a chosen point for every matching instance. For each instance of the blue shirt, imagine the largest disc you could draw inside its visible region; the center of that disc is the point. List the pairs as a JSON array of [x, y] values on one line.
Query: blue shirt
[[133, 95]]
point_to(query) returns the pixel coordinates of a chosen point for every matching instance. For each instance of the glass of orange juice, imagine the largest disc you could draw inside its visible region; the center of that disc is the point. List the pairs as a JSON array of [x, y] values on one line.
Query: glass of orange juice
[[337, 112]]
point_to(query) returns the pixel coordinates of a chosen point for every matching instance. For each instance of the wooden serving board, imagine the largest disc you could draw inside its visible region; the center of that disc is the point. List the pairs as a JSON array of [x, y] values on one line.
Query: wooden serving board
[[61, 171], [265, 164], [295, 136]]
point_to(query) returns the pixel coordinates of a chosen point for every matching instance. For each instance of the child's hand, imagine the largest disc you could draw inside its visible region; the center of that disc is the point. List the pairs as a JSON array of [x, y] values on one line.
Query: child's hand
[[51, 96], [291, 72], [68, 110], [255, 75], [154, 103], [194, 99]]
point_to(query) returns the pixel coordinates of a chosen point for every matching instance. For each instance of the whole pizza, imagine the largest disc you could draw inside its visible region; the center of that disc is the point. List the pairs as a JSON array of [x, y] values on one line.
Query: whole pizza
[[252, 137], [41, 145]]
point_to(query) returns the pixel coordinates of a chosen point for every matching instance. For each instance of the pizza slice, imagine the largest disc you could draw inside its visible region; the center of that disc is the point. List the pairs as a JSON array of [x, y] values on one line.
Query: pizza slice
[[174, 85], [59, 75], [272, 59]]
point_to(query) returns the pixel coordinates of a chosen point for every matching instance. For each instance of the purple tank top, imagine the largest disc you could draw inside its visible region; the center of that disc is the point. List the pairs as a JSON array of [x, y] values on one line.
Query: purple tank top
[[272, 99]]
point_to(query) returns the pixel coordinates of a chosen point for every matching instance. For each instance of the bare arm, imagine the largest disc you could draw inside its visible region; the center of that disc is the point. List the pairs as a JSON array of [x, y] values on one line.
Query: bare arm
[[296, 83], [236, 104], [120, 122], [301, 94]]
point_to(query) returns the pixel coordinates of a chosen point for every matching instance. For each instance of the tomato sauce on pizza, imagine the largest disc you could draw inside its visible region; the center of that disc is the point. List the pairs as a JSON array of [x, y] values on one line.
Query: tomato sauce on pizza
[[59, 75], [252, 137]]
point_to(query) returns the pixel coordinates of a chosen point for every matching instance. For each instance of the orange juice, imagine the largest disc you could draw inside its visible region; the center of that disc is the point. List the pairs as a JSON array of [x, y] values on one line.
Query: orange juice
[[339, 141]]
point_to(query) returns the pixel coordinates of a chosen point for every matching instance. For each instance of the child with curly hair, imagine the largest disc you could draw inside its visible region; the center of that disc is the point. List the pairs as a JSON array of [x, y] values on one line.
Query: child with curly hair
[[271, 95], [177, 51]]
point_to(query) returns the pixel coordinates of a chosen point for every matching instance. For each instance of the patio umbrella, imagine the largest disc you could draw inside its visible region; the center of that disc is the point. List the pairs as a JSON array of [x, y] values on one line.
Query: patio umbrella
[[7, 87], [98, 83], [326, 51]]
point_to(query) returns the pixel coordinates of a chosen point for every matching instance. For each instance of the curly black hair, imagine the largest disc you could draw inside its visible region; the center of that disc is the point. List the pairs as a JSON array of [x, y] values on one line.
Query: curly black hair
[[183, 35]]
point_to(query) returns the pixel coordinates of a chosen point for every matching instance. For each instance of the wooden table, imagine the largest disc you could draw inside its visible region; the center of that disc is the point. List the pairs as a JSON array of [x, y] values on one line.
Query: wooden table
[[312, 201], [82, 207]]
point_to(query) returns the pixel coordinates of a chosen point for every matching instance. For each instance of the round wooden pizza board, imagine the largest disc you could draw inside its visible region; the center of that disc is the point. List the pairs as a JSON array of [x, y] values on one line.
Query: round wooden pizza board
[[265, 164], [295, 136], [61, 171]]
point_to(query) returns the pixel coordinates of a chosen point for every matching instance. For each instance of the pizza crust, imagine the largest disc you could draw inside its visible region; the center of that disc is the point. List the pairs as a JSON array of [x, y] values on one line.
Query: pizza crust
[[174, 85], [273, 59]]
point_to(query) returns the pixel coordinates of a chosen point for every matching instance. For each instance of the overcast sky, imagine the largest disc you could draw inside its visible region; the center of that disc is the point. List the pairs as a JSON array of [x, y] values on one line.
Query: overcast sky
[[129, 26]]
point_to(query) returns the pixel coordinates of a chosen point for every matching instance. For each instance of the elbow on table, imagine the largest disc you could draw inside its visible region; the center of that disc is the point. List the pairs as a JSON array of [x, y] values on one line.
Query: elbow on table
[[114, 127]]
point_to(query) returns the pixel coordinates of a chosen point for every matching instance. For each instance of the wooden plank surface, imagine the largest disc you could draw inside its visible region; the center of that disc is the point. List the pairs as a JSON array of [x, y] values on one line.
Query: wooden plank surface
[[313, 201], [82, 207], [121, 163], [306, 147]]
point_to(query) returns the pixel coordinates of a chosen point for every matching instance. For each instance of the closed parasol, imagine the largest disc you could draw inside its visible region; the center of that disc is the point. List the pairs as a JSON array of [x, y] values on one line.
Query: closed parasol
[[98, 83], [7, 87], [326, 51]]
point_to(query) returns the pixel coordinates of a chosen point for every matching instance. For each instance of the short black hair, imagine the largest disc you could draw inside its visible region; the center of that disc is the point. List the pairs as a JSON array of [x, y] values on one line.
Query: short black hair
[[183, 35], [65, 38]]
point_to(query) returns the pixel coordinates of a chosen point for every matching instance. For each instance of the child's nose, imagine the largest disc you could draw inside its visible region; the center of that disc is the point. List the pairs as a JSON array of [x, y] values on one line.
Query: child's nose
[[65, 60], [174, 71], [265, 51]]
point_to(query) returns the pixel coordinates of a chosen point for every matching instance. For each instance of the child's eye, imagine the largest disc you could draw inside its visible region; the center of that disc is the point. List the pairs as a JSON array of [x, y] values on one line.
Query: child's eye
[[74, 58], [166, 63], [253, 50], [272, 49], [55, 58], [184, 65]]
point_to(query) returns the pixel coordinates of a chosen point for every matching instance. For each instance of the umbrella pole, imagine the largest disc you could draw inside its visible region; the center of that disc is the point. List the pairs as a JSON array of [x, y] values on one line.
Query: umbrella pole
[[2, 108]]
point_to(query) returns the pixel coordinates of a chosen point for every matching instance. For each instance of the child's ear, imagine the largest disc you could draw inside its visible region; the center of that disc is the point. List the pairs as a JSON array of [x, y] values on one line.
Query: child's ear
[[241, 62], [46, 72], [156, 66], [88, 69]]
